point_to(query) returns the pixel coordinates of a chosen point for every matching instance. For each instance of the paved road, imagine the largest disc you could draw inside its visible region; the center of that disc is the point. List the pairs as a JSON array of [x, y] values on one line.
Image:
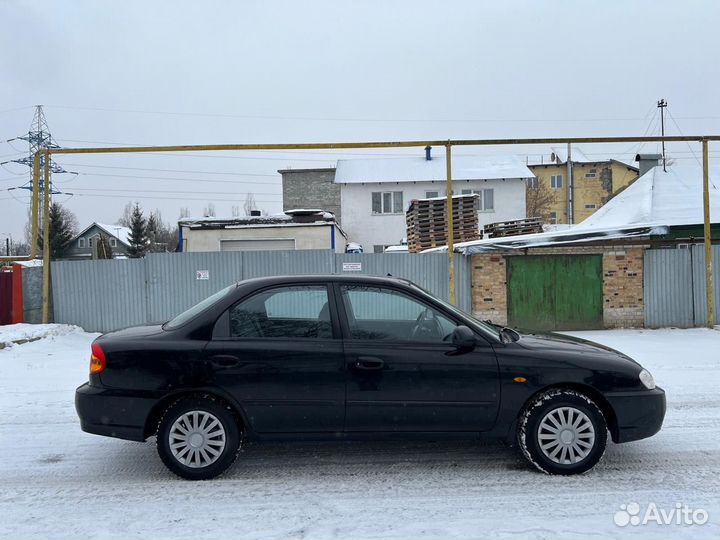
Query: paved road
[[58, 482]]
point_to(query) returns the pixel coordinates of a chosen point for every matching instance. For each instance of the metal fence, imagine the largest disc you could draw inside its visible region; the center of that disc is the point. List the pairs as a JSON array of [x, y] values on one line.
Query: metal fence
[[675, 286], [102, 296]]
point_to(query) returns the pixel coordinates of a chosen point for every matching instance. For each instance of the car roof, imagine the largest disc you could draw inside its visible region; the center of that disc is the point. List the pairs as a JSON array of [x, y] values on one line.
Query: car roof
[[325, 278]]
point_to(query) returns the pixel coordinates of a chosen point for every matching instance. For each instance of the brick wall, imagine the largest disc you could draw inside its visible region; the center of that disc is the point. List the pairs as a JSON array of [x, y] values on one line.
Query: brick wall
[[311, 188], [623, 304], [622, 267], [489, 288]]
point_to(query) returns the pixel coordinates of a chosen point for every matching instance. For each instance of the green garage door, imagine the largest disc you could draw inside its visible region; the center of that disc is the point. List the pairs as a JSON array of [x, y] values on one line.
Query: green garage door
[[555, 292]]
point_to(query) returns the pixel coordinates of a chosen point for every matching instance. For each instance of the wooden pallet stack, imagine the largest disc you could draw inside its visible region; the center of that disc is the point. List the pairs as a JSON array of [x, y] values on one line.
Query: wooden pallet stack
[[427, 221], [513, 228]]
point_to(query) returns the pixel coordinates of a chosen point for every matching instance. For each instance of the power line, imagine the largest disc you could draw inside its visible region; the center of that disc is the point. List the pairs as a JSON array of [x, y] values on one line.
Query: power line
[[175, 179], [169, 170], [355, 119], [174, 191]]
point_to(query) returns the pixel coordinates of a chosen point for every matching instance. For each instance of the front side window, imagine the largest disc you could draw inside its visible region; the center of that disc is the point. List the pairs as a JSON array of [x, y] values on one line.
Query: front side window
[[384, 314], [283, 312], [387, 202]]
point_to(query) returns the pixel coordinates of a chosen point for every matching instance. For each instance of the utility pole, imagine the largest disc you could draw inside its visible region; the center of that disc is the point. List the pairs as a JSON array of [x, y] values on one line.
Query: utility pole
[[38, 138], [570, 188], [662, 105]]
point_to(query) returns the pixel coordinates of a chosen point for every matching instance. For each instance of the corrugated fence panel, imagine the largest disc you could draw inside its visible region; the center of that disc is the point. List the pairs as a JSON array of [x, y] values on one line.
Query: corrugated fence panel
[[99, 296], [278, 263], [668, 288], [107, 295], [429, 270], [675, 286], [178, 281], [700, 299]]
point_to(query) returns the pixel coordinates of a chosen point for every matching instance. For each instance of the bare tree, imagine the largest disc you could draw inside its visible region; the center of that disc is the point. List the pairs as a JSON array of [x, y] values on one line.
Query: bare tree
[[539, 201], [249, 205], [126, 218]]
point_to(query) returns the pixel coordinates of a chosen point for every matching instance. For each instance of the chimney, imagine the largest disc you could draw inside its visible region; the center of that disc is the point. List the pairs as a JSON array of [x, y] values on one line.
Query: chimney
[[255, 213], [647, 162], [428, 157]]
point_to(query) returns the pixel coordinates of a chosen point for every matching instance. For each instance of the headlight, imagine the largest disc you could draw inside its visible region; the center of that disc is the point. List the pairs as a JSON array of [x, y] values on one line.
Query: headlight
[[647, 379]]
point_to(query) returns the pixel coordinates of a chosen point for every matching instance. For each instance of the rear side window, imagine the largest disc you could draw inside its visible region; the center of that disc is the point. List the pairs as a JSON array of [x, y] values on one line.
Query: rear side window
[[283, 312]]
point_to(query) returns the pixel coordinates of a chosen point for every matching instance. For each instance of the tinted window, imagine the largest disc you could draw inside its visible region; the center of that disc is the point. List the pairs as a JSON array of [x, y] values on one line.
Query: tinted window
[[378, 313], [284, 312]]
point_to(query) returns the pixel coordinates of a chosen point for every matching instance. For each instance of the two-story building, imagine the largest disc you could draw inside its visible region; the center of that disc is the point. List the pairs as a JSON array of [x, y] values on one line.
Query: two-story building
[[375, 193], [84, 245], [594, 182]]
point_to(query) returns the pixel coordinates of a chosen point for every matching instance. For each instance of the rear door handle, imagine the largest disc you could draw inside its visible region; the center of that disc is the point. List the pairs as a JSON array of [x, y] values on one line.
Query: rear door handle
[[225, 360], [368, 363]]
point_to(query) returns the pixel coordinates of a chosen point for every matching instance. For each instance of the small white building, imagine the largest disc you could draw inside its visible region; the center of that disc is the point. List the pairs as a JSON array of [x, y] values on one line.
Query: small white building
[[375, 193], [293, 229]]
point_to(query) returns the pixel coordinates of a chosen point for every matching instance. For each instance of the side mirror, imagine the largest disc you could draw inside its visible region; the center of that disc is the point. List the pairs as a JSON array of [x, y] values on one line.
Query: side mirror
[[463, 338]]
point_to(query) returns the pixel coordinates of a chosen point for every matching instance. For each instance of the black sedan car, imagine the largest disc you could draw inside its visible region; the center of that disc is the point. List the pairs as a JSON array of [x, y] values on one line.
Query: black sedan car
[[357, 356]]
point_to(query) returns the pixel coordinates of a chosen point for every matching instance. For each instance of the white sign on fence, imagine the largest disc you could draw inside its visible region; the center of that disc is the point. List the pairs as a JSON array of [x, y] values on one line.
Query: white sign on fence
[[202, 274], [352, 267]]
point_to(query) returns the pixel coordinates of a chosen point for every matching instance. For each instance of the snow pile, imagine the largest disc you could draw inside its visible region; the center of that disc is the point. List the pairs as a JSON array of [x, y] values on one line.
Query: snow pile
[[22, 332]]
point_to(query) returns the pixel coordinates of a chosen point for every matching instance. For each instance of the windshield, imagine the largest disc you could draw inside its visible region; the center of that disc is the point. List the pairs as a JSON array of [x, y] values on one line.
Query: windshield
[[491, 329], [185, 316]]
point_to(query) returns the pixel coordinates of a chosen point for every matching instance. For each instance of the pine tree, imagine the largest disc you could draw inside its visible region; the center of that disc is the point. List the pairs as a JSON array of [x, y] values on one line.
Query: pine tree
[[63, 226], [137, 239]]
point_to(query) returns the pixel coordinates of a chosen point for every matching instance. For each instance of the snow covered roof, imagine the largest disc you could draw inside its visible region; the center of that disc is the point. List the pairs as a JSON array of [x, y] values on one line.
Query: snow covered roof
[[418, 169], [560, 155], [651, 205], [116, 231], [669, 198]]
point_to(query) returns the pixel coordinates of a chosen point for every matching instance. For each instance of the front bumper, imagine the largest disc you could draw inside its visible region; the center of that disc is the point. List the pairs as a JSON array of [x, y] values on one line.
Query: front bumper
[[105, 412], [639, 414]]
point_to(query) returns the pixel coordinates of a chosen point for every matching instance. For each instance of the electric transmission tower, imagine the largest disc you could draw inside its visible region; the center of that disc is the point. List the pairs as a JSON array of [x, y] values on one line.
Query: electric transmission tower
[[38, 138]]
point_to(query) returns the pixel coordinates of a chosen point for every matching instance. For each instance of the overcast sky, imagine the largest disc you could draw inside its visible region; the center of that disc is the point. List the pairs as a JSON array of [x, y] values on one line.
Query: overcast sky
[[175, 72]]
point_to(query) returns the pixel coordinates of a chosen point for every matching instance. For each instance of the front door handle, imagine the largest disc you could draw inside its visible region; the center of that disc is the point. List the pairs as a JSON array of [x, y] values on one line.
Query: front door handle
[[225, 360], [368, 363]]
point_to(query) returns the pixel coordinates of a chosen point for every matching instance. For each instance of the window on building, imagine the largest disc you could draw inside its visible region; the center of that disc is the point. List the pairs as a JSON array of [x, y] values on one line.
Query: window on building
[[532, 182], [556, 181], [81, 243], [90, 242], [553, 218], [487, 198], [592, 173], [431, 194], [113, 242], [387, 202], [378, 248], [590, 206]]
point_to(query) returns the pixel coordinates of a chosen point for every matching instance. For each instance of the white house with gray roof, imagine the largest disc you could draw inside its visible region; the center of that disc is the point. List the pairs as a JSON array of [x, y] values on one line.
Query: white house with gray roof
[[375, 193]]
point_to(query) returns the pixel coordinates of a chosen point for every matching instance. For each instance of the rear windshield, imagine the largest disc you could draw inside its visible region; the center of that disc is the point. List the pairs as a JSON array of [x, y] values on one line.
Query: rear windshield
[[186, 316]]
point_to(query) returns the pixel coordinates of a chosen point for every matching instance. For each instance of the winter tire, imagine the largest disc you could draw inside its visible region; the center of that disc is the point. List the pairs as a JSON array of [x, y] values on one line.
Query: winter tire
[[198, 438], [562, 432]]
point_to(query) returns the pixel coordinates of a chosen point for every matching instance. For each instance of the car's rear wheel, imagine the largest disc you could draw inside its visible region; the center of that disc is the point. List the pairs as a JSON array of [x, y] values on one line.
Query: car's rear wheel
[[562, 431], [198, 438]]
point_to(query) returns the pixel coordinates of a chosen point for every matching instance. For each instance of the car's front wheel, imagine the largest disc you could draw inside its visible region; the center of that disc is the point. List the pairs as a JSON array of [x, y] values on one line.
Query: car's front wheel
[[198, 438], [562, 431]]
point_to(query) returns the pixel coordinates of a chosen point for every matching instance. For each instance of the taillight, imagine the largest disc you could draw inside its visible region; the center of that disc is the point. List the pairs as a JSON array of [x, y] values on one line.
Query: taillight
[[97, 359]]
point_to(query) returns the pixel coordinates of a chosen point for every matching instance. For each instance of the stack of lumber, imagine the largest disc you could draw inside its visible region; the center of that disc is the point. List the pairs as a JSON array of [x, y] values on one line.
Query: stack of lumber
[[513, 228], [427, 221]]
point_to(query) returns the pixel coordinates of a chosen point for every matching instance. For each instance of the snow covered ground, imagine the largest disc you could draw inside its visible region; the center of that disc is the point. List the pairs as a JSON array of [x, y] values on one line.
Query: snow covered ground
[[57, 482]]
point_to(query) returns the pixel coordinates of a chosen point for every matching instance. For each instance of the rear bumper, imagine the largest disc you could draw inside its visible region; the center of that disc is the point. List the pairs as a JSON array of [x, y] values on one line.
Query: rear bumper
[[104, 412], [639, 414]]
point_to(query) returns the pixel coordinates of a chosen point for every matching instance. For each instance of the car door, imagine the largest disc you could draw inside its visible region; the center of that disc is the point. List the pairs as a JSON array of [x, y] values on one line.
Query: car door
[[279, 353], [403, 373]]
